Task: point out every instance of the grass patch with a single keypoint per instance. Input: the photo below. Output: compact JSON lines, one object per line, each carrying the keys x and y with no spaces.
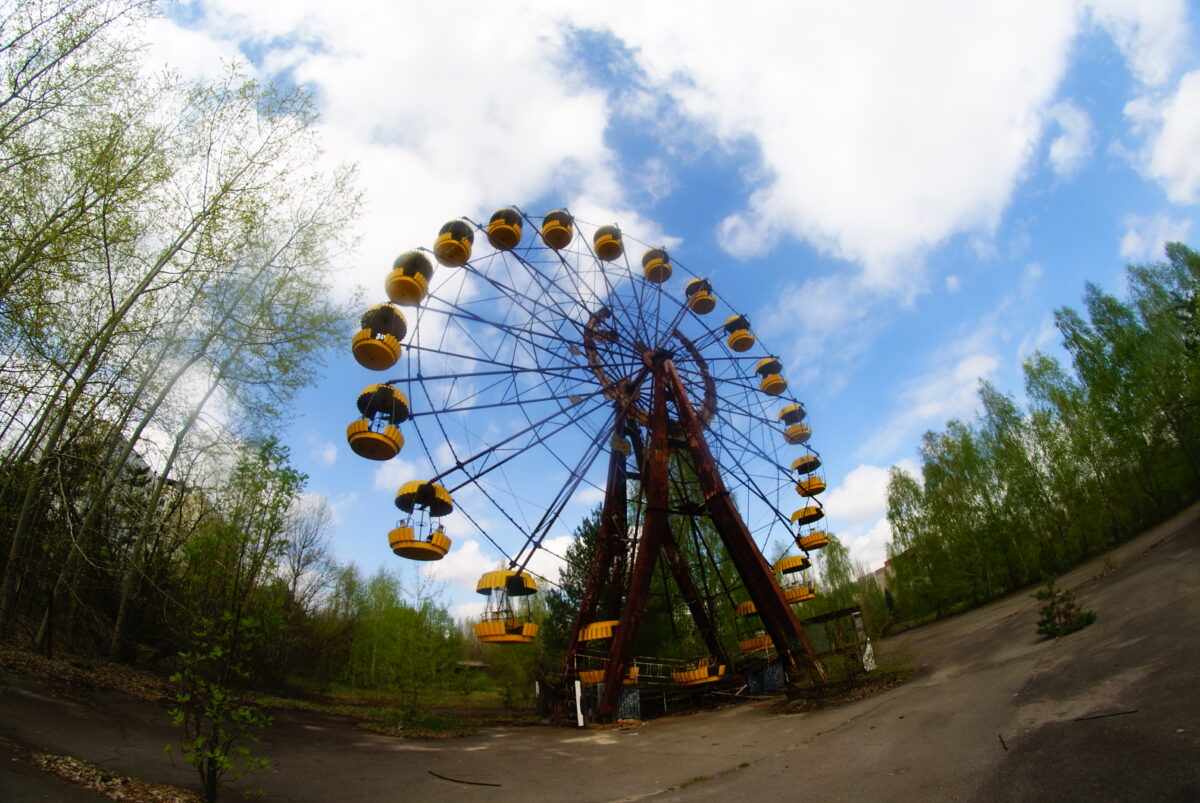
{"x":848,"y":682}
{"x":420,"y":725}
{"x":442,"y":713}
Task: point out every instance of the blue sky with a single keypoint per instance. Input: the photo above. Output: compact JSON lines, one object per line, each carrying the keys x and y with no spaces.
{"x":898,"y":195}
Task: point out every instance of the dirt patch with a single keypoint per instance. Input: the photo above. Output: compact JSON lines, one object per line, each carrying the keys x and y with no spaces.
{"x":113,"y":787}
{"x":836,"y":694}
{"x":86,"y":673}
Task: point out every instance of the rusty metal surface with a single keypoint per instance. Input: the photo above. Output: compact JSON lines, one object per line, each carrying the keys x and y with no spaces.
{"x":653,"y":532}
{"x":776,"y":614}
{"x":608,"y":542}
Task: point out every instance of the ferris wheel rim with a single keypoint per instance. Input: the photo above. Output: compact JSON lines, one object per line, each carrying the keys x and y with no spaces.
{"x":546,"y":350}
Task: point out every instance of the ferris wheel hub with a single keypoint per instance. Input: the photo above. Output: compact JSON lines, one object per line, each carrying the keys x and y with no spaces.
{"x":653,"y":358}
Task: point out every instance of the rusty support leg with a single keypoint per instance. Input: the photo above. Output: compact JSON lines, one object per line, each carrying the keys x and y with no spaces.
{"x":654,"y":530}
{"x":777,"y":616}
{"x":608,"y":542}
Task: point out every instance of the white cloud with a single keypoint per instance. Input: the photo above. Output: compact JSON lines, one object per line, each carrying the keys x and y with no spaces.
{"x":953,"y":284}
{"x":467,"y":611}
{"x":338,"y":506}
{"x":505,"y":119}
{"x":190,"y":53}
{"x":463,"y":565}
{"x":323,"y":451}
{"x":871,"y":148}
{"x":1153,"y":37}
{"x":393,"y":473}
{"x":857,"y":510}
{"x":823,"y":325}
{"x":1144,"y":236}
{"x":547,"y":562}
{"x":862,"y":495}
{"x":1174,"y":140}
{"x":948,"y":391}
{"x":1074,"y":143}
{"x":869,"y":547}
{"x":1030,"y":278}
{"x":1046,"y":334}
{"x":655,"y":179}
{"x":588,"y":496}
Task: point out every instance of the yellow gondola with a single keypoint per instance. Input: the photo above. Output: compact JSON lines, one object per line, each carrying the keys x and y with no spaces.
{"x":656,"y":266}
{"x":792,"y":414}
{"x":607,"y":243}
{"x":428,"y":495}
{"x":504,"y":229}
{"x":700,"y":298}
{"x":806,"y":464}
{"x":745,"y":609}
{"x":590,"y":677}
{"x":807,"y":515}
{"x":771,"y":382}
{"x":404,"y":542}
{"x":759,"y":643}
{"x":797,"y":434}
{"x":738,"y":328}
{"x":558,"y":229}
{"x":794,"y":432}
{"x":810,"y":486}
{"x":598,"y":630}
{"x":421,"y":540}
{"x":513,"y":583}
{"x":795,"y":563}
{"x":453,"y":245}
{"x":798,"y":594}
{"x":507,"y":631}
{"x":698,"y":673}
{"x":813,"y":540}
{"x":382,"y":443}
{"x":408,"y":283}
{"x":377,"y":344}
{"x":500,"y":623}
{"x":376,"y":436}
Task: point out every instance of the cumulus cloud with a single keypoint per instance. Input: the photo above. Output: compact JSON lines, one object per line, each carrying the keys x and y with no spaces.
{"x":548,"y":562}
{"x":339,"y":504}
{"x":1153,"y":37}
{"x":839,"y":316}
{"x":1174,"y":138}
{"x":953,"y":283}
{"x":879,"y":131}
{"x":1073,"y":145}
{"x":393,"y":473}
{"x":861,"y":496}
{"x":1144,"y":236}
{"x":871,"y":148}
{"x":948,"y":391}
{"x":189,"y":52}
{"x":463,"y":565}
{"x":857,"y":509}
{"x":588,"y":496}
{"x":869,"y":547}
{"x":324,"y":451}
{"x":434,"y":135}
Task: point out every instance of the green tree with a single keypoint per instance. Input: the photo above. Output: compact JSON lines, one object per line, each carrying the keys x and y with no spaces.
{"x":1107,"y":447}
{"x":225,"y":629}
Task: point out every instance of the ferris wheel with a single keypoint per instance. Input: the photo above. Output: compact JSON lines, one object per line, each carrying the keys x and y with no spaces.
{"x":549,"y":362}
